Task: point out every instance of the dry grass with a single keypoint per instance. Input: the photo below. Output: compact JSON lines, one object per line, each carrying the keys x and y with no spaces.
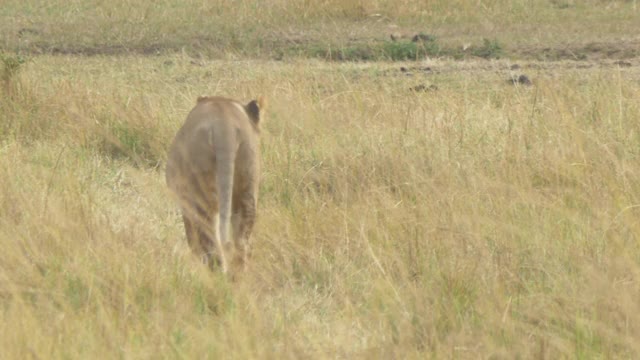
{"x":479,"y":220}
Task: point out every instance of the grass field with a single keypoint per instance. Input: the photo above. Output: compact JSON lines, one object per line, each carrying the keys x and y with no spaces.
{"x":438,"y":211}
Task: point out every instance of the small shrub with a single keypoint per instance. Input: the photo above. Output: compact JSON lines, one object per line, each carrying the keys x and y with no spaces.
{"x":10,"y":66}
{"x":357,"y":53}
{"x":490,"y":49}
{"x":401,"y":50}
{"x":420,"y":45}
{"x":23,"y":115}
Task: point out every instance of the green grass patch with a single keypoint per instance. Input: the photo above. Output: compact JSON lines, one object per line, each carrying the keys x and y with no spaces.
{"x":400,"y":50}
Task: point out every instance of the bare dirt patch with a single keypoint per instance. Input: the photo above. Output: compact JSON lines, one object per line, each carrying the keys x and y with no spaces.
{"x":589,"y":51}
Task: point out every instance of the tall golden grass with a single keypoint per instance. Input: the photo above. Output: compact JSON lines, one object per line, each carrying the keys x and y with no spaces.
{"x":479,"y":220}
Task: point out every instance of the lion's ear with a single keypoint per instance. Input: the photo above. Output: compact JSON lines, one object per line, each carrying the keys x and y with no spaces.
{"x":254,"y":107}
{"x":262,"y":102}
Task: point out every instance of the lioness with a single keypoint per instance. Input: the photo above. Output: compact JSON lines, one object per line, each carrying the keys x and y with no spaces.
{"x":213,"y":167}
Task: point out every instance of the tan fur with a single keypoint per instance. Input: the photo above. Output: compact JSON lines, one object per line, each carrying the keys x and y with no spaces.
{"x":213,"y":167}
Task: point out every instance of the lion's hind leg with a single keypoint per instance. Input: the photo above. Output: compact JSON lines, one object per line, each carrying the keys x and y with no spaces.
{"x":243,"y":220}
{"x":202,"y":228}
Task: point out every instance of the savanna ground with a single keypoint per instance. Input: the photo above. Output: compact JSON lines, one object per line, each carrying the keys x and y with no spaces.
{"x":466,"y":218}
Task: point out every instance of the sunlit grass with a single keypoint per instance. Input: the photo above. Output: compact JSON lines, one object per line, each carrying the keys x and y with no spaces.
{"x":479,"y":219}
